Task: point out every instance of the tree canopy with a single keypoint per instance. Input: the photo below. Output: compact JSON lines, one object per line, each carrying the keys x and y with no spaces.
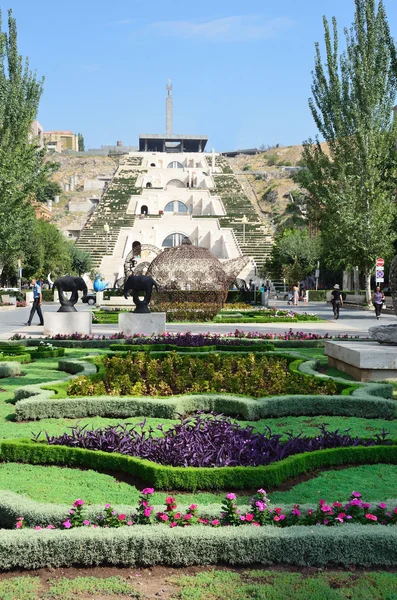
{"x":352,"y":179}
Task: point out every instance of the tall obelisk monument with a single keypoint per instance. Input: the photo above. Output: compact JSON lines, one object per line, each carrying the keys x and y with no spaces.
{"x":169,"y":109}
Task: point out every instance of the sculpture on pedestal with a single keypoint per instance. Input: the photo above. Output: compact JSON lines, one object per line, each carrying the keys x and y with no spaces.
{"x":69,"y":284}
{"x":136,"y":284}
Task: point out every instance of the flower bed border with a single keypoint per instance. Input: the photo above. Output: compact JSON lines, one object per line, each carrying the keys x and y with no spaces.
{"x":345,"y":545}
{"x":164,"y":477}
{"x":368,"y":400}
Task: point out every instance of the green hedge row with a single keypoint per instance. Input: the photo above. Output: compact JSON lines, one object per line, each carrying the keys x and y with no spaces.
{"x":35,"y":354}
{"x":21,"y":358}
{"x":260,"y":319}
{"x":264,"y":347}
{"x":360,"y":545}
{"x":9,"y":369}
{"x":45,"y":406}
{"x":164,"y":477}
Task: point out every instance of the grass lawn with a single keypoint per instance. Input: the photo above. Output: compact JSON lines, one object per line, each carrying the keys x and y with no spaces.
{"x":206,"y":585}
{"x":268,"y":585}
{"x":62,"y":485}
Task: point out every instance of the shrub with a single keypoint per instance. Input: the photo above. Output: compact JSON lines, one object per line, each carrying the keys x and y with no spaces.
{"x":48,"y":295}
{"x":301,"y":546}
{"x":317,"y":295}
{"x":196,"y":478}
{"x":141,"y":374}
{"x":188,"y":311}
{"x":200,"y":296}
{"x":9,"y":369}
{"x":21,"y":358}
{"x":204,"y":441}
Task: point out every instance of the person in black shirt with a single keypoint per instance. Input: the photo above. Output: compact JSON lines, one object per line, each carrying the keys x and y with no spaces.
{"x":336,"y":300}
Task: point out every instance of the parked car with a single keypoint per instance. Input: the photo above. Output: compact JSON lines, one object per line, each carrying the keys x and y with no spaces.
{"x":89,"y":299}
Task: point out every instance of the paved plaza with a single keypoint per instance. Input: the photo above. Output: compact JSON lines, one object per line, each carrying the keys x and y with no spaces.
{"x":353,"y":321}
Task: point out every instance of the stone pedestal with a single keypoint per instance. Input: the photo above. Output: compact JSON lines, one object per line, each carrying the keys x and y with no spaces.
{"x":29,"y":297}
{"x":146,"y":324}
{"x":365,"y":361}
{"x":66,"y":323}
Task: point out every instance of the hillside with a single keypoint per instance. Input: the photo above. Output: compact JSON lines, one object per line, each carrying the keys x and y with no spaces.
{"x":83,"y":170}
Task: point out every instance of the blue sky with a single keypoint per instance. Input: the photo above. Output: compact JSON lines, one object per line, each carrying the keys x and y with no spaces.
{"x":241,"y":71}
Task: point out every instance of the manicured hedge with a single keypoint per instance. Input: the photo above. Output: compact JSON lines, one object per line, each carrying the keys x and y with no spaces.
{"x":317,"y":295}
{"x":36,"y":354}
{"x":20,"y":358}
{"x":164,"y":477}
{"x":261,"y":319}
{"x":9,"y":369}
{"x":263,"y":347}
{"x":360,"y":545}
{"x":45,"y":406}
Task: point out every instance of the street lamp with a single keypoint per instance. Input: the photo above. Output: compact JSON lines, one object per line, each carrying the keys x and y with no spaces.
{"x":244,"y":221}
{"x":106,"y":229}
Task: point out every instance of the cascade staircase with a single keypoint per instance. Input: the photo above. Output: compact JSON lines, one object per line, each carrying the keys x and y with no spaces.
{"x":257,"y":241}
{"x":112,"y":209}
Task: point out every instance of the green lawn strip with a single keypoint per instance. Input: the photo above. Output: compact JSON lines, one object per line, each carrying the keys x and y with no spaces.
{"x":31,"y":588}
{"x":63,"y":485}
{"x":20,"y":588}
{"x":283,"y":585}
{"x":82,"y":587}
{"x":375,"y":482}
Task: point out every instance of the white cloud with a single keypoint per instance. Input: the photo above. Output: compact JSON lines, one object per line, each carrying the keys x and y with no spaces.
{"x":229,"y":29}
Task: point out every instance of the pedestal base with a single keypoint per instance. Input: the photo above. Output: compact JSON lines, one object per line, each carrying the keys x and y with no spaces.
{"x":66,"y":323}
{"x":365,"y":361}
{"x":145,"y":324}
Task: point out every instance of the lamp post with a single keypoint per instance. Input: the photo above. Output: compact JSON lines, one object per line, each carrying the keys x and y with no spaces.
{"x":244,"y":221}
{"x":106,"y":229}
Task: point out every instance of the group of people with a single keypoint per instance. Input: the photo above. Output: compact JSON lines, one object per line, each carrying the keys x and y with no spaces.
{"x":337,"y":300}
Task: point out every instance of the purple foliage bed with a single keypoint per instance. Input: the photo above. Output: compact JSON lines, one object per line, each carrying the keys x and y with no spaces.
{"x":205,"y":441}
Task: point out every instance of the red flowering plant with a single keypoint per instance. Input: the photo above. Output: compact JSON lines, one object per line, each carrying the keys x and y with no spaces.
{"x":110,"y":518}
{"x":260,"y":514}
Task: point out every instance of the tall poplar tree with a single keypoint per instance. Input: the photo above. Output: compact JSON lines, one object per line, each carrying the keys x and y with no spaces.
{"x":352,"y":180}
{"x":22,"y":167}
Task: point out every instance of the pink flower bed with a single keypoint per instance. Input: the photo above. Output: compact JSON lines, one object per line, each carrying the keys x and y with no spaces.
{"x":260,"y":513}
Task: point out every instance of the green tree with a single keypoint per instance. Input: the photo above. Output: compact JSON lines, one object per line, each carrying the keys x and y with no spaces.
{"x":22,"y":167}
{"x":48,"y":191}
{"x":49,"y":252}
{"x":81,"y":260}
{"x":80,"y":141}
{"x":352,"y":182}
{"x":294,"y":254}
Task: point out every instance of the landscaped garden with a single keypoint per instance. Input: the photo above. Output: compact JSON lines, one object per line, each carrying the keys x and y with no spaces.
{"x":228,"y":449}
{"x":185,"y":312}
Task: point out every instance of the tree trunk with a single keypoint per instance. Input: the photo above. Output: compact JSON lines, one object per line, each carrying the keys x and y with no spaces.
{"x":368,"y":298}
{"x":356,"y":275}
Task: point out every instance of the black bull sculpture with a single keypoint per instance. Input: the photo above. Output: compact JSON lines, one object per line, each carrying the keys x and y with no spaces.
{"x":69,"y":284}
{"x":136,"y":284}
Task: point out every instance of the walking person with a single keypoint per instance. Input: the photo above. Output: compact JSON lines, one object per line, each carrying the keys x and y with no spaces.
{"x":378,"y":300}
{"x":336,"y":300}
{"x":295,"y":294}
{"x":37,"y":300}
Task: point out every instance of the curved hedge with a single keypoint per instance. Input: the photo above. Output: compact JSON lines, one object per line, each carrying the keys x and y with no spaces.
{"x":366,"y":401}
{"x":39,"y":403}
{"x":361,"y":545}
{"x":163,"y":477}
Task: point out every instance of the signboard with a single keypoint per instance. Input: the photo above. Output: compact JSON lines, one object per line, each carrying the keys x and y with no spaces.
{"x":380,"y":275}
{"x":380,"y":262}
